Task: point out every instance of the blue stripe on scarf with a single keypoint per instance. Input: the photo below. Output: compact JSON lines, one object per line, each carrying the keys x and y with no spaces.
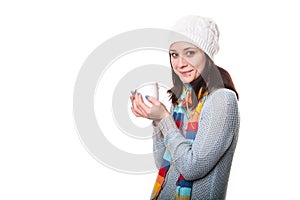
{"x":183,"y":191}
{"x":167,"y":156}
{"x":185,"y":183}
{"x":178,"y":116}
{"x":165,"y":164}
{"x":191,"y":135}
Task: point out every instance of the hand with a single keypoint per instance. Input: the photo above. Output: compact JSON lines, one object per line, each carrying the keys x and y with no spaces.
{"x":156,"y":112}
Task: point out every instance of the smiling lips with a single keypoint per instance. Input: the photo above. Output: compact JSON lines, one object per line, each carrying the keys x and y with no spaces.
{"x":186,"y":73}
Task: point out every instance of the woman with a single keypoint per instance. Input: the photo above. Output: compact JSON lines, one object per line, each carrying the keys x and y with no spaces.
{"x":194,"y":143}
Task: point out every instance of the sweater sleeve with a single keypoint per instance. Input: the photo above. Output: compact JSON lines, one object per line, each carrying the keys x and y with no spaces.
{"x":218,"y":122}
{"x":158,"y":145}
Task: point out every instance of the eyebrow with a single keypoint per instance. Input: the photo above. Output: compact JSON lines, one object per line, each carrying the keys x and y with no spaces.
{"x":184,"y":49}
{"x":189,"y":48}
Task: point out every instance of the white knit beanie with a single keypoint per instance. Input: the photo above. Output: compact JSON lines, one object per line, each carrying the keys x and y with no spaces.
{"x":200,"y":31}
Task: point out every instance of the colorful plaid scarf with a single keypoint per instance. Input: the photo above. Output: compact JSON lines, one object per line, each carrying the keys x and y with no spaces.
{"x":183,"y":187}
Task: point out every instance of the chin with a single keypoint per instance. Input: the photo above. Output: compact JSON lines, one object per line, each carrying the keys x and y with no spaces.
{"x":186,"y":80}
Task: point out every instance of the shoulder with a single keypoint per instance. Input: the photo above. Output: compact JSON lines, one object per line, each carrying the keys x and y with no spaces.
{"x":221,"y":100}
{"x":221,"y":96}
{"x":220,"y":105}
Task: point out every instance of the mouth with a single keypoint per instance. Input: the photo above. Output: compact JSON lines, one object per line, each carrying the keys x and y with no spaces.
{"x":187,"y":73}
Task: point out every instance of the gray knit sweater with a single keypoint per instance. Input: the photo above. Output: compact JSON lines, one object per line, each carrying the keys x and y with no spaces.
{"x":208,"y":160}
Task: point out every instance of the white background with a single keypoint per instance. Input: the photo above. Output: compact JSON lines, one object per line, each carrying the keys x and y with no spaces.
{"x":43,"y":45}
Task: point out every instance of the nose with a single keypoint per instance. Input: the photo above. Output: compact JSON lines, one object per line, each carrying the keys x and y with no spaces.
{"x":182,"y":62}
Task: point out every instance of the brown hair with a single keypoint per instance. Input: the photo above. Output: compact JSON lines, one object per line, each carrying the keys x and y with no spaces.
{"x":212,"y":77}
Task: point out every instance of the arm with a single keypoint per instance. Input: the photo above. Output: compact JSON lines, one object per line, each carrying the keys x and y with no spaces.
{"x":218,"y":123}
{"x":158,"y":143}
{"x":158,"y":146}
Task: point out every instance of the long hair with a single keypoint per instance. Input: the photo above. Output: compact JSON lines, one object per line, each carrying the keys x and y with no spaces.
{"x":212,"y":77}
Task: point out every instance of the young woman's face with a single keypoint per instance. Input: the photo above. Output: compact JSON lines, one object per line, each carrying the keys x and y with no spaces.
{"x":187,"y":60}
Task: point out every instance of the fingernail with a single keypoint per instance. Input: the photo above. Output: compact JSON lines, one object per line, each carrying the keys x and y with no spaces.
{"x":147,"y":96}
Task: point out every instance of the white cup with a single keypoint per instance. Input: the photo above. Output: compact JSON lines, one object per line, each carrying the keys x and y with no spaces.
{"x":155,"y":90}
{"x":149,"y":89}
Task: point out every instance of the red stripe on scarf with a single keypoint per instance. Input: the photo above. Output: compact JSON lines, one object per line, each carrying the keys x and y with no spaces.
{"x":162,"y":171}
{"x":192,"y":126}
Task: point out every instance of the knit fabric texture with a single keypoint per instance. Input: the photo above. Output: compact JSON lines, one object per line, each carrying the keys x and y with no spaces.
{"x":201,"y":31}
{"x":183,"y":187}
{"x":207,"y":161}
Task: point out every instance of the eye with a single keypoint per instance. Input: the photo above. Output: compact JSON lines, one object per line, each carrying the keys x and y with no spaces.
{"x":173,"y":54}
{"x":190,"y":53}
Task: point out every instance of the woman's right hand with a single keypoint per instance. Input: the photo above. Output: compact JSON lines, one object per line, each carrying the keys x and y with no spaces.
{"x":156,"y":112}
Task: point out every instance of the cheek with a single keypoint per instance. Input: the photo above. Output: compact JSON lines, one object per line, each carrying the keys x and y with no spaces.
{"x":199,"y":65}
{"x":176,"y":72}
{"x":173,"y":63}
{"x":194,"y":61}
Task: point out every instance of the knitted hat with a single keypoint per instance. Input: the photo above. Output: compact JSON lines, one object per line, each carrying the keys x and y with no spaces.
{"x":200,"y":31}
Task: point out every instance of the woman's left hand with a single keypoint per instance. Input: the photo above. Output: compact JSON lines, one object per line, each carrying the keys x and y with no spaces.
{"x":156,"y":112}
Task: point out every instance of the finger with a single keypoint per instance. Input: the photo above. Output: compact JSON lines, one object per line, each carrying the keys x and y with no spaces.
{"x":137,"y":110}
{"x":132,"y":97}
{"x":136,"y":97}
{"x":142,"y":103}
{"x":142,"y":106}
{"x":153,"y":100}
{"x":135,"y":113}
{"x":133,"y":93}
